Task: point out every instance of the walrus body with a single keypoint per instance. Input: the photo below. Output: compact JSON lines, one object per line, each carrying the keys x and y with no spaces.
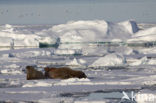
{"x":34,"y":74}
{"x":63,"y":73}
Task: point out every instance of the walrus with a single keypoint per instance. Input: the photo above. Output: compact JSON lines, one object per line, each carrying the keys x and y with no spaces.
{"x":63,"y":73}
{"x":34,"y":74}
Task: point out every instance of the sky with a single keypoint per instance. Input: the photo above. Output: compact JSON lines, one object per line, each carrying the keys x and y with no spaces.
{"x":62,"y":11}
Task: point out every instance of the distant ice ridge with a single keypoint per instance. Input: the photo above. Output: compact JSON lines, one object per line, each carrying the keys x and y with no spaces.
{"x":146,"y":35}
{"x":9,"y":36}
{"x":95,"y":31}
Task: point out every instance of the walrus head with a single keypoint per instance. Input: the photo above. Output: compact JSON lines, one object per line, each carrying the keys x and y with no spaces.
{"x":82,"y":75}
{"x":46,"y":72}
{"x":46,"y":69}
{"x":32,"y":73}
{"x":29,"y":67}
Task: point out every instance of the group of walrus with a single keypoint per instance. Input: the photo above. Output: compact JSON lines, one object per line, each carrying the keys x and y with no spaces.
{"x":53,"y":73}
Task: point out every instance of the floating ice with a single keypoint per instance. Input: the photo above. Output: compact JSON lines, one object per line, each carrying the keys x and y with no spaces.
{"x":37,"y":84}
{"x":94,"y":31}
{"x":147,"y":35}
{"x":75,"y":81}
{"x":147,"y":50}
{"x":138,"y":62}
{"x":110,"y":60}
{"x":34,"y":53}
{"x":9,"y":35}
{"x":73,"y":62}
{"x":143,"y":61}
{"x":67,"y":52}
{"x":11,"y":71}
{"x":130,"y":26}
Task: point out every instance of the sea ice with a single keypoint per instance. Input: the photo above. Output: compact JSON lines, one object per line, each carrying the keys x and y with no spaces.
{"x":94,"y":31}
{"x":147,"y":35}
{"x":135,"y":65}
{"x":110,"y":60}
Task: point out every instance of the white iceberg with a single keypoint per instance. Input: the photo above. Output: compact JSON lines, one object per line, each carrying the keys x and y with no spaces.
{"x":9,"y":35}
{"x":147,"y":35}
{"x":110,"y":60}
{"x":94,"y":31}
{"x":143,"y":61}
{"x":80,"y":32}
{"x":71,"y":32}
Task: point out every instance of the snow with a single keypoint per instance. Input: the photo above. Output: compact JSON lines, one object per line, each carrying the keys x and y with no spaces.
{"x":147,"y":50}
{"x":37,"y":84}
{"x":66,"y":52}
{"x":74,"y":81}
{"x":147,"y":35}
{"x":143,"y":61}
{"x":94,"y":31}
{"x":111,"y":69}
{"x":21,"y":38}
{"x":110,"y":60}
{"x":10,"y":72}
{"x":139,"y":62}
{"x":130,"y":26}
{"x":73,"y":62}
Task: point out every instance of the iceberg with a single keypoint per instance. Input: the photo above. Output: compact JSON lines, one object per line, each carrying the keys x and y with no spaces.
{"x":94,"y":31}
{"x":10,"y":35}
{"x":110,"y":60}
{"x":147,"y":35}
{"x":77,"y":32}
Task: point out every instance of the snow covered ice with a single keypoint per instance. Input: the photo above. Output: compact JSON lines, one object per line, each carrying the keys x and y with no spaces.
{"x":116,"y":57}
{"x":79,"y":31}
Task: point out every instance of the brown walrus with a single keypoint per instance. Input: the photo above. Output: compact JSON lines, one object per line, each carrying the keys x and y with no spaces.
{"x":34,"y":74}
{"x":63,"y":73}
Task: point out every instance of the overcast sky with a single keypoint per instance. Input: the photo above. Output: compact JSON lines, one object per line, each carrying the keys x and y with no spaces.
{"x":61,"y":11}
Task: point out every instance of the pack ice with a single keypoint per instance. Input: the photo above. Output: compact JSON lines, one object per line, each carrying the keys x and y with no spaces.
{"x":75,"y":31}
{"x":110,"y":69}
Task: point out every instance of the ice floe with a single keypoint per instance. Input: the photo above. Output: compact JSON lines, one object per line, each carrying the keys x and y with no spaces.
{"x":37,"y":84}
{"x":147,"y":35}
{"x":110,"y":60}
{"x":94,"y":31}
{"x":76,"y":31}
